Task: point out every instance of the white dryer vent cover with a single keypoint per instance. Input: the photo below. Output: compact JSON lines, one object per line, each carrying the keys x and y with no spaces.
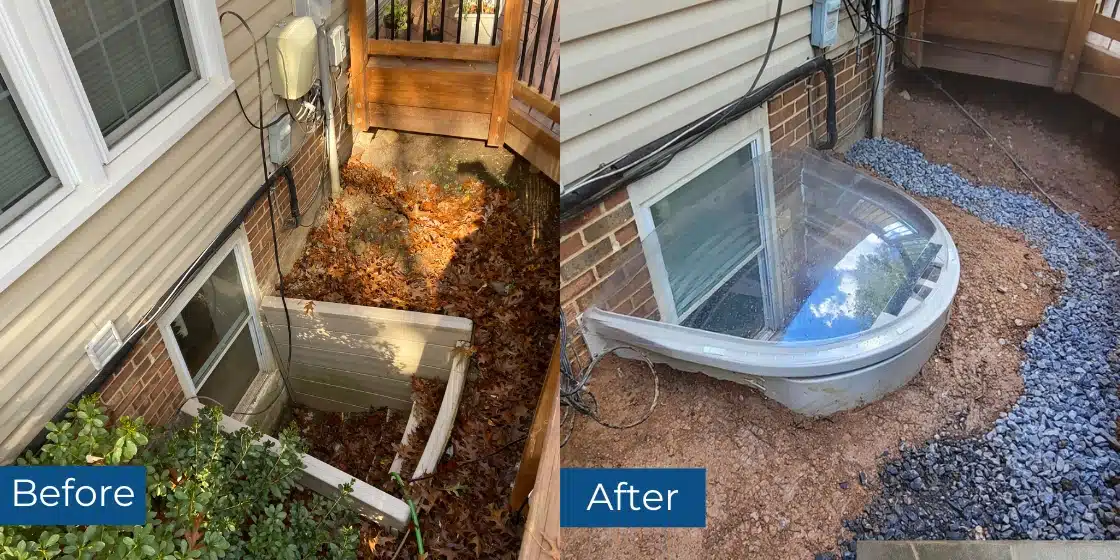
{"x":104,"y":345}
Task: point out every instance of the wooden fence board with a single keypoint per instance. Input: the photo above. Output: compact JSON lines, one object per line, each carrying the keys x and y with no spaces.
{"x":430,"y":88}
{"x":1002,"y":29}
{"x":1105,"y":26}
{"x":915,"y":29}
{"x":503,"y":82}
{"x":534,"y":99}
{"x":539,"y":433}
{"x":540,"y":538}
{"x":1038,"y":68}
{"x":459,"y":124}
{"x":358,"y":34}
{"x":539,"y":146}
{"x":1051,"y":11}
{"x":1101,"y":91}
{"x":427,"y":49}
{"x":1074,"y":45}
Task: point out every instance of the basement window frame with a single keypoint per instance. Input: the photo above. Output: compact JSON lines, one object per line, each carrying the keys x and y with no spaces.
{"x":91,"y":170}
{"x":751,"y":130}
{"x":238,"y":246}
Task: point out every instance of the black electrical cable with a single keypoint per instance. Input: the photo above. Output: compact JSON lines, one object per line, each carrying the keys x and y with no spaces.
{"x":590,"y":193}
{"x":271,"y":211}
{"x":257,"y":59}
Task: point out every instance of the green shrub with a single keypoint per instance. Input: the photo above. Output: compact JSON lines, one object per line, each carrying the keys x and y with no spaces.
{"x":210,"y":495}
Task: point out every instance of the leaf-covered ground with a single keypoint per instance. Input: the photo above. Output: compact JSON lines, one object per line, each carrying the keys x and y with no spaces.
{"x":466,"y":250}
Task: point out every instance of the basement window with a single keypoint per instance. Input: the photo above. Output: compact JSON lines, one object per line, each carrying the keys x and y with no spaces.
{"x":212,"y":331}
{"x":796,"y":274}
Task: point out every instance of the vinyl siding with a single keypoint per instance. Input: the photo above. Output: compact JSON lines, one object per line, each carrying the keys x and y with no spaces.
{"x":117,"y":264}
{"x":633,"y":71}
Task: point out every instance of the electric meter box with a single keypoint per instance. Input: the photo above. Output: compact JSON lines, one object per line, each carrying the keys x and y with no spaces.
{"x":824,"y":23}
{"x":291,"y":47}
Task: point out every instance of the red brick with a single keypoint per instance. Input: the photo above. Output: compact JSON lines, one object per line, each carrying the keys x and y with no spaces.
{"x":578,"y":222}
{"x":608,"y":223}
{"x":577,"y":286}
{"x":616,"y":198}
{"x":644,"y":293}
{"x":585,"y":259}
{"x":570,"y":246}
{"x":626,"y":233}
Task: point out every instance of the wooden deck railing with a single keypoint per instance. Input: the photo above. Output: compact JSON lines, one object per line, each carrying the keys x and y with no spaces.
{"x":412,"y":73}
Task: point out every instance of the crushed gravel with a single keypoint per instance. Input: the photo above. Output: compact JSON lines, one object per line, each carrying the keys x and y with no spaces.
{"x":1045,"y":471}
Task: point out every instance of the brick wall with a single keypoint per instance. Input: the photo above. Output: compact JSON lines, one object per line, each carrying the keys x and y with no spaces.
{"x":309,"y":165}
{"x":146,"y":385}
{"x":790,"y":120}
{"x":601,"y":262}
{"x":601,"y":259}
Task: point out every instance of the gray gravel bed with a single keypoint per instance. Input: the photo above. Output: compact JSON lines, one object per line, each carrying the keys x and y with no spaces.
{"x":1045,"y":471}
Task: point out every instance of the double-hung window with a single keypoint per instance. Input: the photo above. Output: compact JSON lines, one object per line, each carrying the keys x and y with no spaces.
{"x":92,"y":93}
{"x":132,"y":57}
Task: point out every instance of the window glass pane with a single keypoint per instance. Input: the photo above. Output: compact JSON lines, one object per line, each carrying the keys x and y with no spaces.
{"x":162,"y":33}
{"x":129,"y":54}
{"x":708,"y":227}
{"x":233,"y":374}
{"x":211,"y":319}
{"x":111,"y":13}
{"x":98,"y":83}
{"x":21,"y":169}
{"x":74,"y":19}
{"x":736,"y":308}
{"x":135,"y":79}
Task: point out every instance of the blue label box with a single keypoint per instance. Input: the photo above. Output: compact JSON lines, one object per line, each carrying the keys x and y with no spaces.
{"x":73,"y":495}
{"x":633,"y":497}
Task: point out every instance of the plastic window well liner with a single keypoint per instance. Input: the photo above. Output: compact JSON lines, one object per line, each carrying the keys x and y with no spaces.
{"x":802,"y":276}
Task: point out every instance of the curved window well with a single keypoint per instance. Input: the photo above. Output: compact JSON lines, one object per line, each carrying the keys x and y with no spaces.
{"x":804,"y":277}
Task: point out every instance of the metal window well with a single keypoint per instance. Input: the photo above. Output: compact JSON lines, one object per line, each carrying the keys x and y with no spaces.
{"x":818,"y":284}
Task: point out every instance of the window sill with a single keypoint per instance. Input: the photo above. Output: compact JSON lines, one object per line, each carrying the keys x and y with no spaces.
{"x":31,"y":237}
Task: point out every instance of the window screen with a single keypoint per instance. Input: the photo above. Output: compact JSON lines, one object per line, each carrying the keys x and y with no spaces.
{"x":24,"y":176}
{"x":708,"y":227}
{"x":132,"y":57}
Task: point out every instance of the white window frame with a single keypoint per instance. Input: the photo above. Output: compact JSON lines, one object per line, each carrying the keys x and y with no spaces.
{"x":41,"y":73}
{"x":238,"y":245}
{"x":751,"y":129}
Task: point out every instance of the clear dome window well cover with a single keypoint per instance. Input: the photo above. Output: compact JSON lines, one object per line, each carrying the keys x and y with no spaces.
{"x":805,"y":277}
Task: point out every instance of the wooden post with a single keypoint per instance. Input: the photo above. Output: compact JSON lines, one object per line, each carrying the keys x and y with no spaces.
{"x":915,"y":28}
{"x":507,"y":57}
{"x":547,"y":404}
{"x":1075,"y":43}
{"x":358,"y":59}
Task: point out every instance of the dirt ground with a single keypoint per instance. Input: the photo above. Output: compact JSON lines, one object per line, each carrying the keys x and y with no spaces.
{"x":779,"y":484}
{"x":1067,"y":144}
